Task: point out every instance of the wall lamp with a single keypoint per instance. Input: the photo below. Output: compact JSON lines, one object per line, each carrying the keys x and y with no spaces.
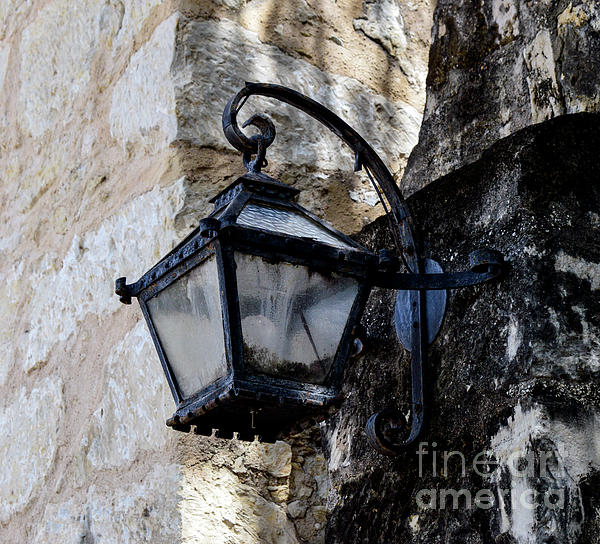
{"x":256,"y":312}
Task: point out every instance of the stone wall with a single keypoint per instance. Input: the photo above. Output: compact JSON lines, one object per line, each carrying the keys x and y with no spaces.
{"x":510,"y":453}
{"x":110,"y":148}
{"x":507,"y":158}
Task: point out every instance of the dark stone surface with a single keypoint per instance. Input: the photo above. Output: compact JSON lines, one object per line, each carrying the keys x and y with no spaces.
{"x":528,"y":343}
{"x":497,"y":66}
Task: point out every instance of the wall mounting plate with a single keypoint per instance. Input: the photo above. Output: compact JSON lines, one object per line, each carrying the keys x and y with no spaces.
{"x":435,"y":305}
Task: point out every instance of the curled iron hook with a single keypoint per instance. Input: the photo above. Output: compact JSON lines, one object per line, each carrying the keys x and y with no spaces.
{"x":262,"y":141}
{"x":364,"y":154}
{"x":256,"y":144}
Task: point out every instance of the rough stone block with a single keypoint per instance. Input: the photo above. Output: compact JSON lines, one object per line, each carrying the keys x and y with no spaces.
{"x":216,"y":507}
{"x":144,"y":511}
{"x":57,"y":51}
{"x":513,"y":374}
{"x":82,"y":282}
{"x":496,"y":67}
{"x":274,"y":459}
{"x":10,"y":283}
{"x":143,"y":100}
{"x":4,"y":54}
{"x":13,"y":14}
{"x":214,"y":59}
{"x":63,"y":522}
{"x":544,"y":457}
{"x":147,"y":511}
{"x":544,"y":94}
{"x":135,"y":404}
{"x":29,"y":427}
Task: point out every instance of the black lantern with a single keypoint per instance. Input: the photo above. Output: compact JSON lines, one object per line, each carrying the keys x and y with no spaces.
{"x":255,"y":313}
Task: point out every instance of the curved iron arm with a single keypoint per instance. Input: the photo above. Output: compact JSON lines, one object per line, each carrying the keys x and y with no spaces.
{"x":380,"y":176}
{"x":364,"y":155}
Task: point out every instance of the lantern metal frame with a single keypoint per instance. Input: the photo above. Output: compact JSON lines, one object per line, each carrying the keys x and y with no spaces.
{"x":219,"y":235}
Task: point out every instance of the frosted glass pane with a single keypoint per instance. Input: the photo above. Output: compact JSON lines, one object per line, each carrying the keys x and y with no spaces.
{"x":287,"y":222}
{"x":187,"y":318}
{"x":292,"y":318}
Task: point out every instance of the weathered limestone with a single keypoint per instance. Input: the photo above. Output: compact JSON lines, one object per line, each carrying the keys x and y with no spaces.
{"x":62,"y":522}
{"x":498,"y":66}
{"x":8,"y":308}
{"x":59,"y":50}
{"x":254,"y":492}
{"x":141,"y":512}
{"x":513,"y":377}
{"x":565,"y":453}
{"x":30,"y":426}
{"x":79,"y":284}
{"x":222,"y":510}
{"x":383,"y":23}
{"x":4,"y":53}
{"x":143,"y":101}
{"x":110,"y":148}
{"x":309,"y":486}
{"x":580,"y":267}
{"x":325,"y":34}
{"x":172,"y":86}
{"x":214,"y":60}
{"x":12,"y":15}
{"x":62,"y":39}
{"x":135,"y":390}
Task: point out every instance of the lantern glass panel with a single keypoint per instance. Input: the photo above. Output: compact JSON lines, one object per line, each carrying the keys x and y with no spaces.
{"x":188,"y":321}
{"x":292,"y":318}
{"x":287,"y":221}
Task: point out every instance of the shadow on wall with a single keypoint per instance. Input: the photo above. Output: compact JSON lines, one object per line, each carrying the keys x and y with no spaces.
{"x":291,"y":43}
{"x":296,"y":44}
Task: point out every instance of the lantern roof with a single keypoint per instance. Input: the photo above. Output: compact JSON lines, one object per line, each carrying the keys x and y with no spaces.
{"x":259,"y":210}
{"x":259,"y":202}
{"x":258,"y":183}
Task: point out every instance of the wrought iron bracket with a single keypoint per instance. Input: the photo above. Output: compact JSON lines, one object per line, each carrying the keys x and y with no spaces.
{"x":486,"y":265}
{"x":386,"y":430}
{"x":418,"y":316}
